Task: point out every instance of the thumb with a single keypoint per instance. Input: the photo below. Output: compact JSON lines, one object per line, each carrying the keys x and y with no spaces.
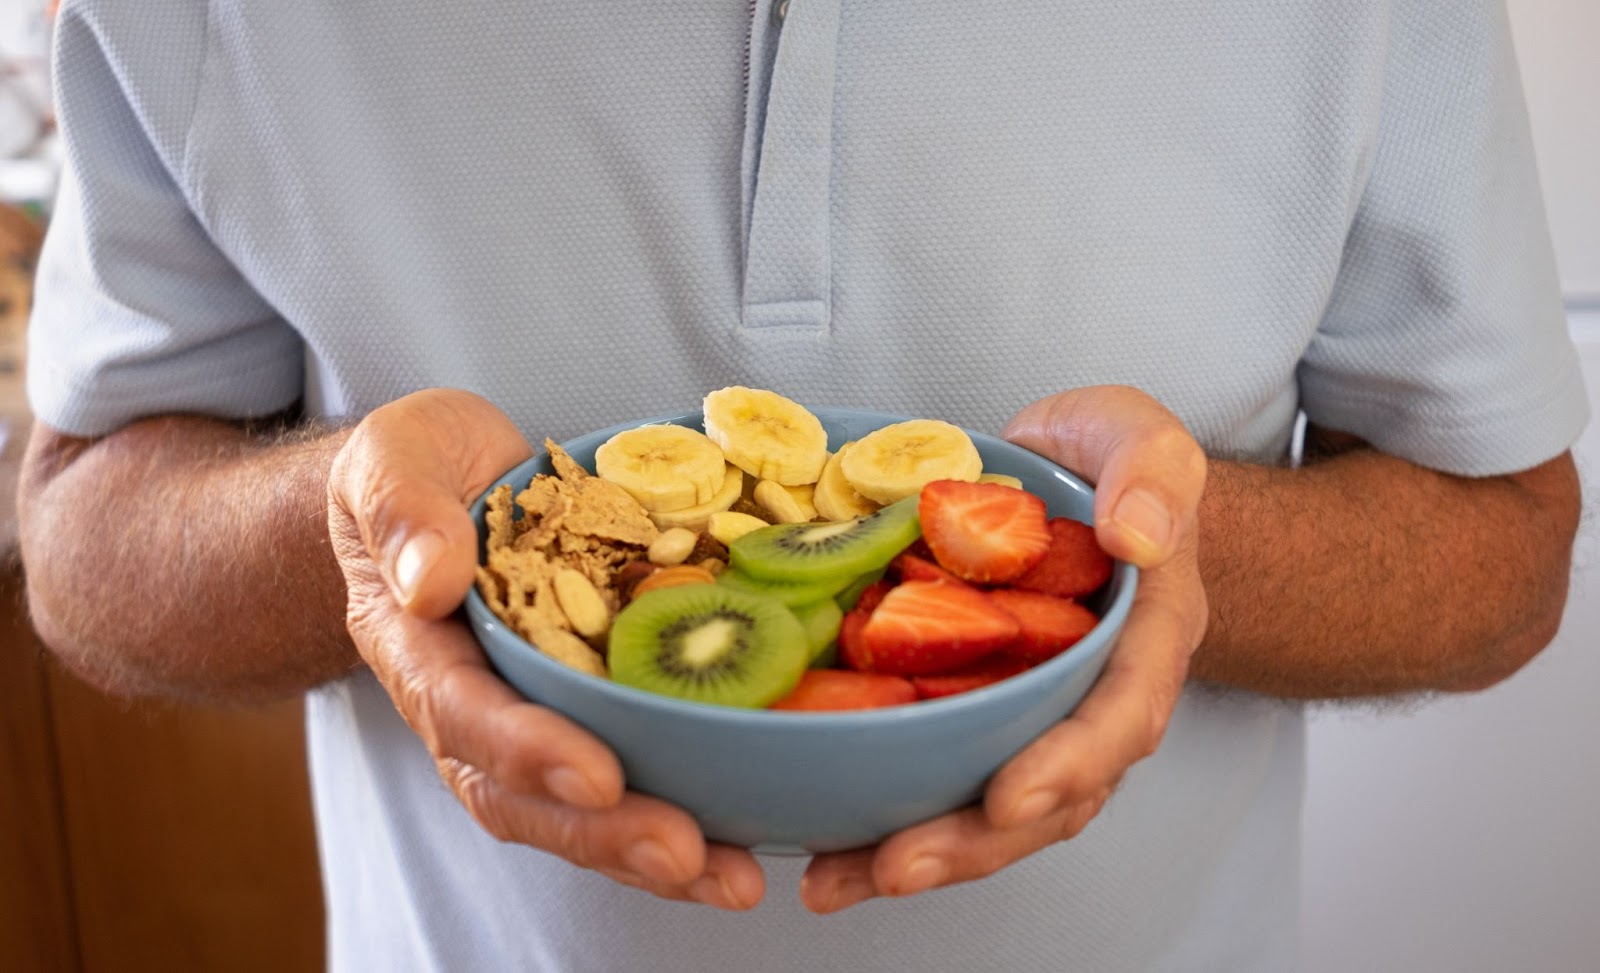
{"x":399,"y":489}
{"x":1147,"y":470}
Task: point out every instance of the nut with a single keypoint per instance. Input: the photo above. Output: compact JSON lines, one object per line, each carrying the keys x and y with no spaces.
{"x":580,"y":601}
{"x":729,"y":525}
{"x":672,"y":546}
{"x":678,"y":574}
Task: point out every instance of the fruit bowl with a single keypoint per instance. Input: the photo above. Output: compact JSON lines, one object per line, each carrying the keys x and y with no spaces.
{"x":806,"y":782}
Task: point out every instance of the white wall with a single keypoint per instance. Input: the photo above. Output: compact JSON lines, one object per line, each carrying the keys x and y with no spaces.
{"x":1463,"y":835}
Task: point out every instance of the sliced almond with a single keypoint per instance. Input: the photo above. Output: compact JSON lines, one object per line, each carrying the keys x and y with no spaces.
{"x":581,"y":602}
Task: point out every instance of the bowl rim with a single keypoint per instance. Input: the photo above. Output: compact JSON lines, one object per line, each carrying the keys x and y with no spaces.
{"x":1053,"y":671}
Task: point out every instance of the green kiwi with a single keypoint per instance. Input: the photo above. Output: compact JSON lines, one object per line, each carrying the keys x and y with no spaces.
{"x":710,"y":644}
{"x":840,"y":550}
{"x":851,"y":593}
{"x":821,"y":621}
{"x":790,"y":593}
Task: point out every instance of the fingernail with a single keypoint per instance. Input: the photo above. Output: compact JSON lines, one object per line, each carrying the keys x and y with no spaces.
{"x":848,"y":892}
{"x":571,"y":787}
{"x":1034,"y":805}
{"x":713,"y":890}
{"x":650,"y":858}
{"x":414,"y":561}
{"x":923,"y":873}
{"x":1141,"y":514}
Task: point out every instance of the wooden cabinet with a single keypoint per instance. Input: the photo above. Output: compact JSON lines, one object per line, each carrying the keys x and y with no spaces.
{"x":148,"y":836}
{"x":145,"y":835}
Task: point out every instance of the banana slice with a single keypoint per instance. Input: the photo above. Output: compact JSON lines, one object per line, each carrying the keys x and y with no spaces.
{"x":663,"y":467}
{"x":783,"y":506}
{"x":696,"y":517}
{"x":1005,"y":479}
{"x":768,"y":436}
{"x":834,"y":497}
{"x":895,"y":461}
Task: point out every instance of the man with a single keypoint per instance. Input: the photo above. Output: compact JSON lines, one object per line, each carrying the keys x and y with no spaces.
{"x":1137,"y":238}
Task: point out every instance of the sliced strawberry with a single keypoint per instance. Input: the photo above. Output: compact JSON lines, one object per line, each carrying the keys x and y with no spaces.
{"x":1074,"y":565}
{"x":852,"y":650}
{"x":1049,"y":625}
{"x":924,"y":627}
{"x":836,"y":689}
{"x":871,"y":595}
{"x":983,"y":532}
{"x":910,"y":567}
{"x":981,"y":673}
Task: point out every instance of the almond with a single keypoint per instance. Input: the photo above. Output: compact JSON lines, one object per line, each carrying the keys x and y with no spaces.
{"x":678,"y":574}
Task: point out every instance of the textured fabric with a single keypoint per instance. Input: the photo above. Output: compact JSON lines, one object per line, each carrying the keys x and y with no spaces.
{"x":595,"y":212}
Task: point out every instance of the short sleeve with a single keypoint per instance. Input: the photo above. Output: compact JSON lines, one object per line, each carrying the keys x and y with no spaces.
{"x":1445,"y":340}
{"x":136,"y":311}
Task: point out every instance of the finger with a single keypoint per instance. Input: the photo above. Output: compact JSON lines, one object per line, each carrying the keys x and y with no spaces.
{"x":732,"y":880}
{"x":1147,"y":470}
{"x":1125,"y":715}
{"x":954,"y":848}
{"x":404,"y":479}
{"x":639,"y":835}
{"x":442,"y":685}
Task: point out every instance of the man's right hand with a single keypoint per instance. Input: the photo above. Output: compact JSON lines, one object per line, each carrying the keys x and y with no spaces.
{"x":397,"y":515}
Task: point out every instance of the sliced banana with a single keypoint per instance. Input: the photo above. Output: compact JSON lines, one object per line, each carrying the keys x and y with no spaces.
{"x":663,"y":467}
{"x":896,"y":460}
{"x":729,"y":526}
{"x":766,"y":435}
{"x":1004,"y":479}
{"x":834,"y":497}
{"x":695,"y":517}
{"x":781,"y":505}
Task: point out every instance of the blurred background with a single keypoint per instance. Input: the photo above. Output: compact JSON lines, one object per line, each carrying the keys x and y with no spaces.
{"x":1448,"y":835}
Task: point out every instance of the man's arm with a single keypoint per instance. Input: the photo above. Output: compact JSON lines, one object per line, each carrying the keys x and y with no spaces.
{"x":1361,"y":574}
{"x":185,"y":556}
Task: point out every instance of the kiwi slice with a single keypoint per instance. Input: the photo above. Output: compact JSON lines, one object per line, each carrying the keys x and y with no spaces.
{"x":821,"y":621}
{"x":836,"y":551}
{"x":710,"y":644}
{"x":793,"y":594}
{"x":851,"y":593}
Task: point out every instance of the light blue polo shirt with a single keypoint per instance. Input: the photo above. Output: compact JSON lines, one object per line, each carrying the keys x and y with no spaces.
{"x":590,"y":212}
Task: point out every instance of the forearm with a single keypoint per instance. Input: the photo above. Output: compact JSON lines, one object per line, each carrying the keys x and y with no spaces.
{"x":1362,"y":574}
{"x":184,"y":556}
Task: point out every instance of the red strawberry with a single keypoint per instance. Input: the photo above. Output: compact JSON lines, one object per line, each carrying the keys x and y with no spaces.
{"x":924,"y":627}
{"x":910,"y":567}
{"x":981,"y":673}
{"x":852,"y":651}
{"x":1074,"y":565}
{"x":871,"y":595}
{"x":1049,"y":625}
{"x":983,"y":532}
{"x":836,"y":689}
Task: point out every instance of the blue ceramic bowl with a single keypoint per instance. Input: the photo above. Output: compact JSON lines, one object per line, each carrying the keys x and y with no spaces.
{"x":800,"y":783}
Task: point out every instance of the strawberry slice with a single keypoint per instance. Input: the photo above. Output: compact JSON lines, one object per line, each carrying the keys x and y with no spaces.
{"x":871,"y":595}
{"x":1074,"y":565}
{"x":910,"y":567}
{"x":926,"y":627}
{"x":837,"y":689}
{"x":1049,"y":625}
{"x":852,"y":650}
{"x":981,"y":673}
{"x":983,"y":532}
